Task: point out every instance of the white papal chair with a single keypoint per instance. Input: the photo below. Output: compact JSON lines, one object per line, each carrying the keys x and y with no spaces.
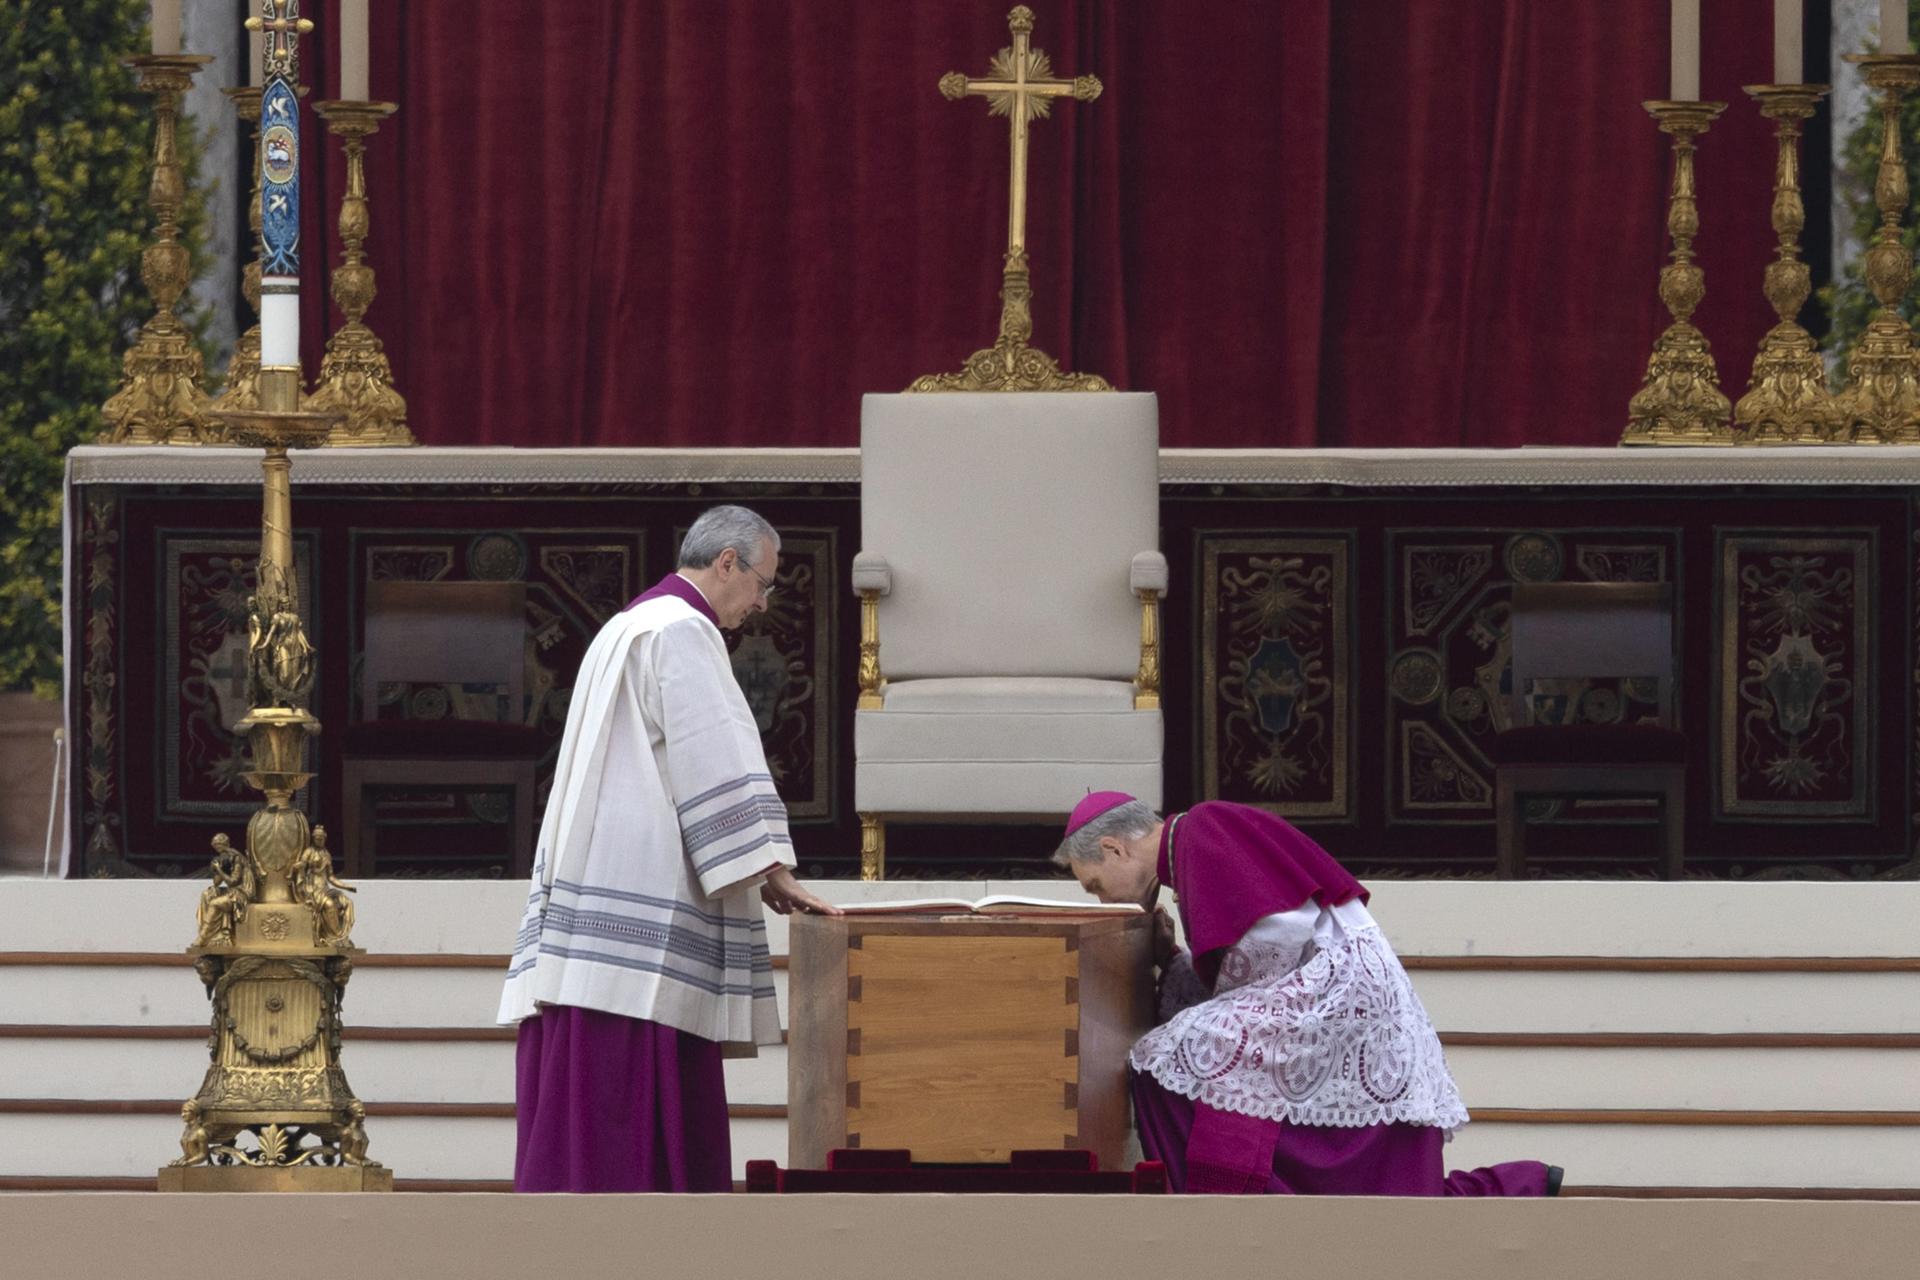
{"x":1010,"y":583}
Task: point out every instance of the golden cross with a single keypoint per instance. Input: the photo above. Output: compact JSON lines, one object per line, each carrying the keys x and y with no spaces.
{"x":1021,"y":86}
{"x":283,"y":25}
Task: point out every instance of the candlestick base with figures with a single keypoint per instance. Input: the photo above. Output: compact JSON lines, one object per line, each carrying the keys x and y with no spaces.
{"x":161,"y":400}
{"x":274,"y":944}
{"x":1680,"y":402}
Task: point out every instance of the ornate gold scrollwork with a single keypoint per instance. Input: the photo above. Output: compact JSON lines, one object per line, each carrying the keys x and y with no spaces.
{"x":873,"y":847}
{"x":870,"y":678}
{"x":1146,"y":683}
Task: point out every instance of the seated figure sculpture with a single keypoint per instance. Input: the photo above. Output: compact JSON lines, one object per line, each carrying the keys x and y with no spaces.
{"x":315,"y":885}
{"x":224,"y":902}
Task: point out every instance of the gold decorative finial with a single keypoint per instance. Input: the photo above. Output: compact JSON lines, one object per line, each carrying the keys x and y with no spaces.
{"x":1020,"y":85}
{"x":280,"y":22}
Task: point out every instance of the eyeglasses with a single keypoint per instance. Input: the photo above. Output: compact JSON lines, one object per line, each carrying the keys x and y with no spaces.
{"x":766,"y":584}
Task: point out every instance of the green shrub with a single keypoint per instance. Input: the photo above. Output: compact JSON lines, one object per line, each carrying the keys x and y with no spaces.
{"x":76,"y":137}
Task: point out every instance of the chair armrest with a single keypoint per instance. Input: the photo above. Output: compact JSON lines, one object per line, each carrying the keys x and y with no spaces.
{"x":1149,"y":573}
{"x":871,"y":572}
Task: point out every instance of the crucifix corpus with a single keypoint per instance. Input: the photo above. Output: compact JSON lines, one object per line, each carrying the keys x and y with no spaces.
{"x":1020,"y":85}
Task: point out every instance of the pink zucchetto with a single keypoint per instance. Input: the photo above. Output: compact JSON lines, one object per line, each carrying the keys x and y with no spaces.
{"x":1096,"y":803}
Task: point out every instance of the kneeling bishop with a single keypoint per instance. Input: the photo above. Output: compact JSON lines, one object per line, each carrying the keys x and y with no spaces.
{"x":1292,"y":1056}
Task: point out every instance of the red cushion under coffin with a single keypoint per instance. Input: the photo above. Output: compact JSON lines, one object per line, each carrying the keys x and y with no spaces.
{"x":1590,"y":744}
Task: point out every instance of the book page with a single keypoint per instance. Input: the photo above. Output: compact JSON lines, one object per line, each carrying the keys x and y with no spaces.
{"x":1000,"y":903}
{"x":1014,"y":902}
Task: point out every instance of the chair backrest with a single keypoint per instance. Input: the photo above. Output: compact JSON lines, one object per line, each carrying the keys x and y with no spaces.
{"x":1571,"y":630}
{"x":445,"y":633}
{"x":1010,"y":522}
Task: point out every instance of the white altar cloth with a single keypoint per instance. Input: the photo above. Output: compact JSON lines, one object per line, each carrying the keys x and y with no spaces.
{"x":1826,"y":465}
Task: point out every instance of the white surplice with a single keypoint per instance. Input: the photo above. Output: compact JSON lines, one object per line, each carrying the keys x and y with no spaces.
{"x":662,"y":820}
{"x":1311,"y":1021}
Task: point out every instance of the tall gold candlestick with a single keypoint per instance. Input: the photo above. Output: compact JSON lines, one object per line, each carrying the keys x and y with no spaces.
{"x":275,"y":947}
{"x":356,"y":381}
{"x":160,"y":400}
{"x":1880,"y":403}
{"x":1681,"y":402}
{"x":1787,"y":401}
{"x":243,"y":369}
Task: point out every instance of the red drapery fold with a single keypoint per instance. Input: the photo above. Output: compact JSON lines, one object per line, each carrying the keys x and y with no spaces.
{"x":675,"y":222}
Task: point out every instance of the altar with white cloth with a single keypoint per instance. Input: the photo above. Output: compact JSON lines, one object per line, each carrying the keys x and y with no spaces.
{"x":1371,"y":585}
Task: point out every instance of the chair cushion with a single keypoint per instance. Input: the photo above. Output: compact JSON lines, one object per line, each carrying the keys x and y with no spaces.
{"x":981,"y":695}
{"x":444,"y":740}
{"x":1590,"y":744}
{"x":1008,"y":789}
{"x":1006,"y":762}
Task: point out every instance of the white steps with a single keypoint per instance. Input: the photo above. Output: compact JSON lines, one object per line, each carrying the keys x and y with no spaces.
{"x":1581,"y":1020}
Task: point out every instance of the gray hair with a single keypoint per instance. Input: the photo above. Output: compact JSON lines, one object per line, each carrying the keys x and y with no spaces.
{"x":719,"y":528}
{"x":1127,"y":821}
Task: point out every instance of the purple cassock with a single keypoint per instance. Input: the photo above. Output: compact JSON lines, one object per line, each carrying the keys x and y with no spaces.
{"x":610,"y":1104}
{"x":1232,"y":867}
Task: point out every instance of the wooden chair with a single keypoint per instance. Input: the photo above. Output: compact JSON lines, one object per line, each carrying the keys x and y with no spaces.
{"x":1574,"y":630}
{"x":441,"y":633}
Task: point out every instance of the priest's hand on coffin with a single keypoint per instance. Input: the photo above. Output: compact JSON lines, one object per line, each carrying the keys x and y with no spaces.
{"x":783,"y":894}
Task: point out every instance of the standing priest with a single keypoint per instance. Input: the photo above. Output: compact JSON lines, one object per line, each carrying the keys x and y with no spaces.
{"x":1293,"y":1056}
{"x":642,"y":956}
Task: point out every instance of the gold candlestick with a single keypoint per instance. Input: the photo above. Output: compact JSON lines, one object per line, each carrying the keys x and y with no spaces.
{"x":1681,"y":402}
{"x":275,"y":945}
{"x":243,"y":369}
{"x":160,"y":400}
{"x":356,"y":381}
{"x":1787,"y":401}
{"x":1880,"y":403}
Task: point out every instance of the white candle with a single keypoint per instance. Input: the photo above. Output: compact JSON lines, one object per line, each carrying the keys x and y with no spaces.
{"x":1893,"y":27}
{"x":1786,"y":42}
{"x":256,"y":58}
{"x":166,"y":26}
{"x":353,"y":50}
{"x":280,"y":324}
{"x":1686,"y":51}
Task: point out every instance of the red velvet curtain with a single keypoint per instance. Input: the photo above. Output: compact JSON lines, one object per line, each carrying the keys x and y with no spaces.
{"x":682,"y":222}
